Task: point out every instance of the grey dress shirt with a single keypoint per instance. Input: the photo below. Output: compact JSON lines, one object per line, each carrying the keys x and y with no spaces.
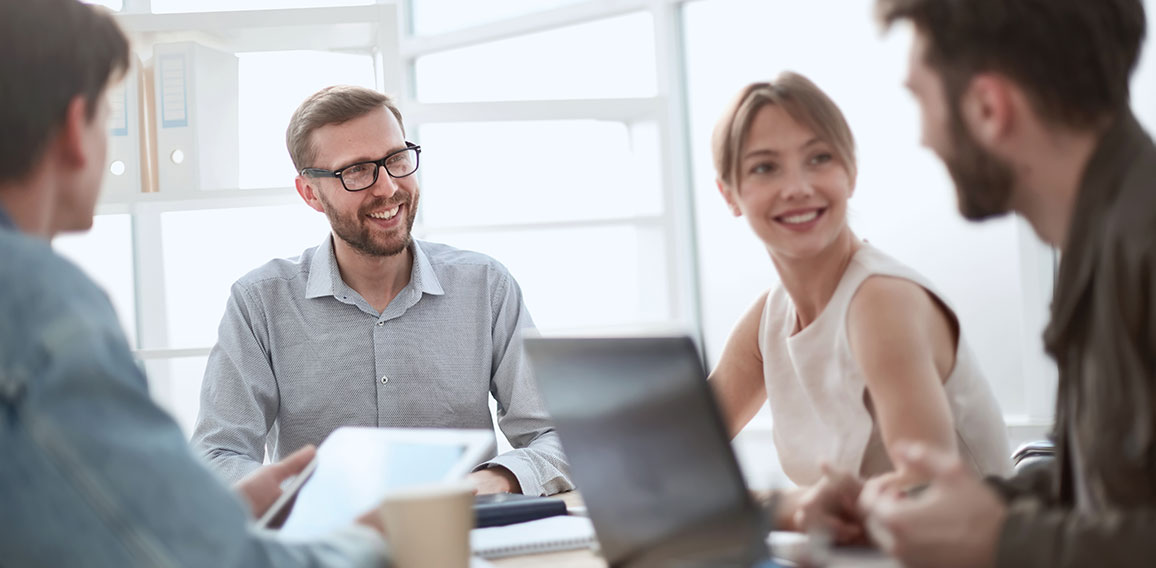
{"x":300,"y":353}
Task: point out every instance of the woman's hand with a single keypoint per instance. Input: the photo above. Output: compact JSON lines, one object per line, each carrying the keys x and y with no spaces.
{"x":832,"y":506}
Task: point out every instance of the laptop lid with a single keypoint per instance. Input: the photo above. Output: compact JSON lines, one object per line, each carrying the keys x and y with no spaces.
{"x":649,"y":451}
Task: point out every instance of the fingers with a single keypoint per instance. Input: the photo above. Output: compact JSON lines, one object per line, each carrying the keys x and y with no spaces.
{"x":875,"y":488}
{"x":295,"y":462}
{"x":831,"y":507}
{"x":815,"y":520}
{"x":926,"y":462}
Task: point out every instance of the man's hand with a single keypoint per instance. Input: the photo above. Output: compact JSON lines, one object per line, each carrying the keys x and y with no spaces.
{"x":262,"y":486}
{"x":495,"y":479}
{"x":831,"y":505}
{"x":373,"y":519}
{"x":954,"y":523}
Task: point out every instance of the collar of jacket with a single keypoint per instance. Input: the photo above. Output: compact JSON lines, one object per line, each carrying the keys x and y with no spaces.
{"x":1101,"y":183}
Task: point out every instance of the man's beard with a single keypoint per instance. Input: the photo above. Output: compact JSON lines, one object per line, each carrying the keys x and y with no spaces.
{"x":359,"y":235}
{"x":983,"y":183}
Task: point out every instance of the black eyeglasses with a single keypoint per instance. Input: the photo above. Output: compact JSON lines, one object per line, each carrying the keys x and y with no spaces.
{"x":359,"y":176}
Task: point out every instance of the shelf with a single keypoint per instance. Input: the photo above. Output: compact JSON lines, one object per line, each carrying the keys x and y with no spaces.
{"x":112,"y":203}
{"x":339,"y":28}
{"x":623,"y":110}
{"x":652,"y":221}
{"x":534,"y":22}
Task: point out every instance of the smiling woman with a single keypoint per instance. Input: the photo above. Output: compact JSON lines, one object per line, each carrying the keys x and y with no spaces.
{"x":855,"y":352}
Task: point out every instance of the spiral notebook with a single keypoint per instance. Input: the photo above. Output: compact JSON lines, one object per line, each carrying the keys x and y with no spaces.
{"x":544,"y":535}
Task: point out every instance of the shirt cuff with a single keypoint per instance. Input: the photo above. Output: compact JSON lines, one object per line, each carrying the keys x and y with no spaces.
{"x":527,"y":478}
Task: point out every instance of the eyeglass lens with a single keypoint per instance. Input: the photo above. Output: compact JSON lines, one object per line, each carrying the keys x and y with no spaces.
{"x":362,"y":175}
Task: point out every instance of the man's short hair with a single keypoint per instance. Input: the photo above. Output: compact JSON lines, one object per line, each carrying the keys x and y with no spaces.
{"x":332,"y":105}
{"x":804,"y":101}
{"x":51,"y":51}
{"x":1072,"y":57}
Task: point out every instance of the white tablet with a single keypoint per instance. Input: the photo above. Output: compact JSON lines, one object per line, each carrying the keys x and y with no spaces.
{"x":356,"y":468}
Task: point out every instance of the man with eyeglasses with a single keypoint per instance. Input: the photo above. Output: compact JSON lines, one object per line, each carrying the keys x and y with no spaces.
{"x":372,"y":327}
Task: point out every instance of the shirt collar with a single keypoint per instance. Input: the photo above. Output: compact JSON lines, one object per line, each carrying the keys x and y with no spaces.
{"x":423,"y":277}
{"x":325,"y":278}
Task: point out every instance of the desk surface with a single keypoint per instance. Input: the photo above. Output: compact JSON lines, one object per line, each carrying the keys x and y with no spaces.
{"x":589,"y":559}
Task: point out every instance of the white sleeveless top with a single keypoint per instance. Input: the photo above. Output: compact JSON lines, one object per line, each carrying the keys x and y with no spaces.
{"x":817,"y":392}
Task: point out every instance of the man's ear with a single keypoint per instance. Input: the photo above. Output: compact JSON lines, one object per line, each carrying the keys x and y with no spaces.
{"x":71,"y":141}
{"x":308,"y":191}
{"x":988,"y":108}
{"x":728,"y":196}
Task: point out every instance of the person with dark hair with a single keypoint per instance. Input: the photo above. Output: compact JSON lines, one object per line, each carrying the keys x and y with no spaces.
{"x":854,"y":350}
{"x":372,"y":327}
{"x":92,"y":472}
{"x":1027,"y":104}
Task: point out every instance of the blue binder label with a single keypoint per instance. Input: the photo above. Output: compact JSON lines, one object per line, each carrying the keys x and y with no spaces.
{"x":173,"y":71}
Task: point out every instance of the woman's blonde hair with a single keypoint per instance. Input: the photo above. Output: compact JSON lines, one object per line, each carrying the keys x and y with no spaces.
{"x":802,"y":100}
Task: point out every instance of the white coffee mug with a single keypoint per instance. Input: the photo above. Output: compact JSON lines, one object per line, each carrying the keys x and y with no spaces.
{"x":429,"y":526}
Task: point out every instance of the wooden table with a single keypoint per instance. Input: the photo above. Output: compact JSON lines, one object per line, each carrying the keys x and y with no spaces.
{"x":589,"y":559}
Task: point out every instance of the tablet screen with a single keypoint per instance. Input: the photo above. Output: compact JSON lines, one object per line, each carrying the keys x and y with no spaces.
{"x":356,"y":468}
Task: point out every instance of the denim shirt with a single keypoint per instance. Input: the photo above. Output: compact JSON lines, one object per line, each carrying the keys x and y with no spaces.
{"x":92,"y":472}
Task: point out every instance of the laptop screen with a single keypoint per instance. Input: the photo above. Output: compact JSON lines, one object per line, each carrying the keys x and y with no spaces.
{"x":648,"y":449}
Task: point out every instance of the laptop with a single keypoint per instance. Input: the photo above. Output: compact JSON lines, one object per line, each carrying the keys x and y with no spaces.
{"x":649,"y":452}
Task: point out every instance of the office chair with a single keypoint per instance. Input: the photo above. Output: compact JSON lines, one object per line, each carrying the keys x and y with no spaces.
{"x":1031,"y":455}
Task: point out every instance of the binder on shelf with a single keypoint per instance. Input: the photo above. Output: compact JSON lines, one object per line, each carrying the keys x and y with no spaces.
{"x":122,"y":163}
{"x":196,"y":91}
{"x":147,"y":130}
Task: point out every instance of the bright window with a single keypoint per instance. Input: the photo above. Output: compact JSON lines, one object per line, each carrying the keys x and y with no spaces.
{"x":176,"y":386}
{"x":440,"y":16}
{"x":603,"y":277}
{"x":114,"y":5}
{"x":612,"y":58}
{"x":206,"y":251}
{"x":180,"y":6}
{"x":105,"y":254}
{"x":492,"y":173}
{"x":272,"y":85}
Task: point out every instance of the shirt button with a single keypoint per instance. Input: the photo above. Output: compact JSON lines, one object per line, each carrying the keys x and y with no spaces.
{"x":380,"y":323}
{"x":384,"y":379}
